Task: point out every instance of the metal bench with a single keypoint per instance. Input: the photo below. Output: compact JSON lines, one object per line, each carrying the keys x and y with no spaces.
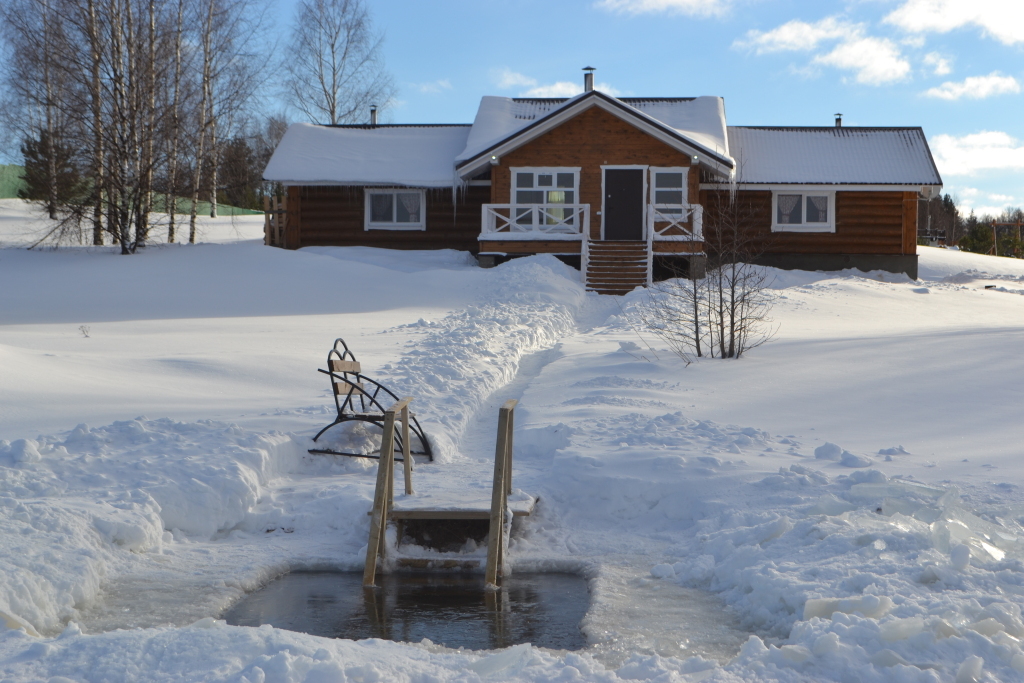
{"x":359,"y":399}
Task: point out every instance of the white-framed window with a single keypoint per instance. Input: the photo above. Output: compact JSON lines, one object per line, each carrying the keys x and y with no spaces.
{"x":540,"y":193}
{"x":803,"y":210}
{"x":668,"y":186}
{"x":395,"y":209}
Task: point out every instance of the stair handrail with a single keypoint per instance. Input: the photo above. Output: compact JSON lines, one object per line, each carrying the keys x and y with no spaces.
{"x":650,"y":249}
{"x":585,"y":256}
{"x":501,"y":520}
{"x":384,"y":491}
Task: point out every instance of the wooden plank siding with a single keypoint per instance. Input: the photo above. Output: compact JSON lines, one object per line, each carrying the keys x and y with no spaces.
{"x":333,"y":216}
{"x":590,"y":140}
{"x":866,"y":223}
{"x":909,"y":222}
{"x":293,"y":221}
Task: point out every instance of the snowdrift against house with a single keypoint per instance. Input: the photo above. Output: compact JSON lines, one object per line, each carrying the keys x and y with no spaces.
{"x":415,"y":156}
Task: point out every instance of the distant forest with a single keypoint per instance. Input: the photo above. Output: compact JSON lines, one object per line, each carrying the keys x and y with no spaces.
{"x":942,"y":221}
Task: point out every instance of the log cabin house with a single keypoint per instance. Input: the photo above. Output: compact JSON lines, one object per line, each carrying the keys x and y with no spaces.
{"x":620,"y":187}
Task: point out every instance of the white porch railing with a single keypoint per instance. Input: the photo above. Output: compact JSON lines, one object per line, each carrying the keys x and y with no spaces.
{"x":672,"y":223}
{"x":675,"y":222}
{"x":534,"y":221}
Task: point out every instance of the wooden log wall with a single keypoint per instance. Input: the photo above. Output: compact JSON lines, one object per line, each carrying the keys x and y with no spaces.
{"x":592,"y":139}
{"x":866,"y":223}
{"x":333,"y":217}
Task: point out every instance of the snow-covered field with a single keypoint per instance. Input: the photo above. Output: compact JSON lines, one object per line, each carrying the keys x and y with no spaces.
{"x":843,"y":503}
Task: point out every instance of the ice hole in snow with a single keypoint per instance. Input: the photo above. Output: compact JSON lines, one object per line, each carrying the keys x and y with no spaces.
{"x":450,"y":608}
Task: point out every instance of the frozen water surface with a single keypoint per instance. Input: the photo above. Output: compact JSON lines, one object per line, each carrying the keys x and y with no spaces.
{"x":633,"y":613}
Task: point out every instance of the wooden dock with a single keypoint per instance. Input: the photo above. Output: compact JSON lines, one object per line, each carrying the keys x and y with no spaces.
{"x":442,"y":504}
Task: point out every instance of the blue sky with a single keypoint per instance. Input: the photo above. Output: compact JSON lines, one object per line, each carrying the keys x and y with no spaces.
{"x":954,"y":67}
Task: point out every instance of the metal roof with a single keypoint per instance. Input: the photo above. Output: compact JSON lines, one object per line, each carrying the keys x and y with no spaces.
{"x":409,"y":155}
{"x":832,"y":156}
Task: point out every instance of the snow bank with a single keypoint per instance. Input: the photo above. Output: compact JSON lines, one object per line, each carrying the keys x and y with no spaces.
{"x":131,"y":486}
{"x":453,"y":364}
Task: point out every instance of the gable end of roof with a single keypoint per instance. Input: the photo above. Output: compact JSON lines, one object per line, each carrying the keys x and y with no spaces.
{"x":566,"y":109}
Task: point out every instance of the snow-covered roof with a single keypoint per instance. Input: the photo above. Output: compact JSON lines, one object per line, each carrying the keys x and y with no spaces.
{"x":417,"y":156}
{"x":428,"y":155}
{"x":839,"y":156}
{"x":698,"y":122}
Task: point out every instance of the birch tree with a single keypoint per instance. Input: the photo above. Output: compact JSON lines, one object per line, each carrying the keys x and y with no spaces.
{"x":132,"y":96}
{"x":334,"y":64}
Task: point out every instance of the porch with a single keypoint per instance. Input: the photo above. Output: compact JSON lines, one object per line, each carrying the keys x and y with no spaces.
{"x":607,"y":265}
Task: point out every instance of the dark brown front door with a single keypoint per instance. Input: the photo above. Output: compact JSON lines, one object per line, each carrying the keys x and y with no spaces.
{"x":623,"y":204}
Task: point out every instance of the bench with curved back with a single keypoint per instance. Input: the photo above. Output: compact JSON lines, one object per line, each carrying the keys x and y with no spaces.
{"x":361,"y":399}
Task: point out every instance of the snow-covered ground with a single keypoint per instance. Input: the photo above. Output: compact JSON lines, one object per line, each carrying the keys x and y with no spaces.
{"x":848,"y":494}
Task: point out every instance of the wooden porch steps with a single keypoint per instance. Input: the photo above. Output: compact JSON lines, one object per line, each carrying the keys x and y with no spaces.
{"x":616,"y":267}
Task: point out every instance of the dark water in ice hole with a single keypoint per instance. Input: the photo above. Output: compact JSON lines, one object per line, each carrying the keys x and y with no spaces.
{"x":449,"y":609}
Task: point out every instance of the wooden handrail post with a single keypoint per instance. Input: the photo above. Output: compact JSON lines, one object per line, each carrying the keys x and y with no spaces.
{"x":499,"y":494}
{"x":406,"y":450}
{"x":508,"y":451}
{"x":381,"y":499}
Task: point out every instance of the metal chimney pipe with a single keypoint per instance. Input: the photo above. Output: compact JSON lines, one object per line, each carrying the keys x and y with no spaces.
{"x":588,"y":78}
{"x":373,"y":114}
{"x":839,"y":120}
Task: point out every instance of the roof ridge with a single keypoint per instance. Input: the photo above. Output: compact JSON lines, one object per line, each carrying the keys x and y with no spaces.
{"x":559,"y":100}
{"x":829,"y":128}
{"x":393,"y":125}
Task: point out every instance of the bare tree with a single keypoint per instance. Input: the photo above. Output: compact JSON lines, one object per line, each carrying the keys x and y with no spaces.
{"x":228,"y":78}
{"x":173,"y":137}
{"x":36,"y":32}
{"x":727,"y":312}
{"x":334,"y":66}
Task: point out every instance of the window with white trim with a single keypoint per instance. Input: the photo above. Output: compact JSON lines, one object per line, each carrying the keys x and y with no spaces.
{"x":803,"y":211}
{"x":540,"y":195}
{"x":395,"y":209}
{"x":668,"y":186}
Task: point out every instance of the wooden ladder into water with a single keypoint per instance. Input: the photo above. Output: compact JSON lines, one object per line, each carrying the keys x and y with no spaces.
{"x":384,"y":511}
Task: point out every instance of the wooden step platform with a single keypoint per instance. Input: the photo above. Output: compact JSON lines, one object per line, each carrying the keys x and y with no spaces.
{"x":425,"y":508}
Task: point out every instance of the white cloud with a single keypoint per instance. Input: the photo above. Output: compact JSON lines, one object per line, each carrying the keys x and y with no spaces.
{"x":1001,"y":19}
{"x":434,"y":86}
{"x":876,"y":61}
{"x":559,"y":89}
{"x":980,"y":202}
{"x":799,"y":35}
{"x":976,"y":87}
{"x":970,"y":154}
{"x":565,"y":89}
{"x":507,"y":78}
{"x":694,"y":8}
{"x":939,"y":64}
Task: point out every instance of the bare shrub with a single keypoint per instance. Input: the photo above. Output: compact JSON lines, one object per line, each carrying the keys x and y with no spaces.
{"x":726,"y":313}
